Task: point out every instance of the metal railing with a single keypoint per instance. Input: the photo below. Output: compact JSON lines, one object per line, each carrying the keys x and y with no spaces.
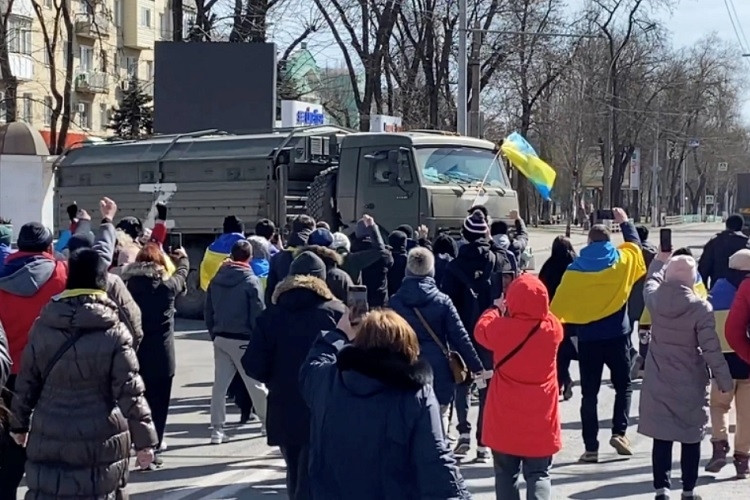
{"x":92,"y":81}
{"x":92,"y":25}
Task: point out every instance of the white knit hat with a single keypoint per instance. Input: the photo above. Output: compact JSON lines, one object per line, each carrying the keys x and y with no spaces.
{"x":740,"y":260}
{"x":681,"y":269}
{"x":340,"y":240}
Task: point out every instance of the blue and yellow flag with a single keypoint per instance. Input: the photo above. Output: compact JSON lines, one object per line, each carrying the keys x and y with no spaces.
{"x":722,"y":295}
{"x":522,"y":156}
{"x":215,"y":256}
{"x":604,"y":276}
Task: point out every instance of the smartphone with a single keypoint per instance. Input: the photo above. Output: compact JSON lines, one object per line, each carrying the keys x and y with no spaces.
{"x":173,"y":242}
{"x":604,"y":215}
{"x":356,"y":300}
{"x":665,"y":239}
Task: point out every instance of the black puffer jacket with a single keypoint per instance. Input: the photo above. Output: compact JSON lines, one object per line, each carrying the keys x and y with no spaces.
{"x":337,"y":279}
{"x":89,"y":406}
{"x":155,"y":293}
{"x":714,"y":261}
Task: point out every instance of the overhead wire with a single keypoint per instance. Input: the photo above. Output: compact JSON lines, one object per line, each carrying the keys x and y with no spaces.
{"x":734,"y":26}
{"x":739,"y":23}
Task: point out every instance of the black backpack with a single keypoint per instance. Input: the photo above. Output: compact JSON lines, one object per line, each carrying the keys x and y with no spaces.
{"x":476,"y":295}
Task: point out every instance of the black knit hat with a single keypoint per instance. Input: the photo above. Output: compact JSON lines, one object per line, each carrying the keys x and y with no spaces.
{"x":34,"y":237}
{"x":407,"y":230}
{"x":232,"y":224}
{"x":481,"y":208}
{"x":397,"y":240}
{"x":475,"y":226}
{"x":308,"y":264}
{"x":86,"y":270}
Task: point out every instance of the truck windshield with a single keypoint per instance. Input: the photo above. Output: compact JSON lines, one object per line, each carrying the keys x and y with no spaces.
{"x":460,"y":165}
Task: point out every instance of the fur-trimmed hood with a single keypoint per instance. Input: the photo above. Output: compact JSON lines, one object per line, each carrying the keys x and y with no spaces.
{"x":147,"y":269}
{"x":330,"y":257}
{"x":368,"y":371}
{"x":300,"y":282}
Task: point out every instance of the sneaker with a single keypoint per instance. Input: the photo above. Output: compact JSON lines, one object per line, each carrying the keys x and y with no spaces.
{"x":741,"y":465}
{"x":662,"y":496}
{"x":163,"y":445}
{"x":463,"y":445}
{"x":589,"y":457}
{"x":483,"y":455}
{"x":218,"y":436}
{"x":622,"y":445}
{"x":691,"y":496}
{"x":719,"y":457}
{"x":635,"y":368}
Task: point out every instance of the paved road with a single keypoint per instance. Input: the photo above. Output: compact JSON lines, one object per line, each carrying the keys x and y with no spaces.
{"x":247,"y":469}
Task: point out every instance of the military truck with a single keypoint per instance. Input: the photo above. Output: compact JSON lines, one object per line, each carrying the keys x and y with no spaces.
{"x":742,"y":198}
{"x":330,"y":173}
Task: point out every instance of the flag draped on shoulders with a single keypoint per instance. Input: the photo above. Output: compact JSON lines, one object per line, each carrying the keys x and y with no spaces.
{"x":215,"y":255}
{"x":598,"y":282}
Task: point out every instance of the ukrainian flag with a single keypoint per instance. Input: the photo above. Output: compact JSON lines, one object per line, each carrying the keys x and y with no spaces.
{"x":699,"y":289}
{"x":215,"y":256}
{"x":722,"y":295}
{"x":522,"y":156}
{"x":604,"y":276}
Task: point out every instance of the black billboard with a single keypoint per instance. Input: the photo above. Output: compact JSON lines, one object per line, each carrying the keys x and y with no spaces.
{"x":214,"y":85}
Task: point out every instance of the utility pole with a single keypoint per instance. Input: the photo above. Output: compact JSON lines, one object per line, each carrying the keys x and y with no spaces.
{"x":474,"y":118}
{"x":462,"y":68}
{"x":655,"y":179}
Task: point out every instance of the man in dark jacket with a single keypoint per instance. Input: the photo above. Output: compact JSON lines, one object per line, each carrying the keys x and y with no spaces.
{"x":336,"y":278}
{"x":302,"y":226}
{"x":301,"y":307}
{"x":714,"y":261}
{"x":398,"y":242}
{"x":233,"y":304}
{"x":374,"y":276}
{"x":473,"y":280}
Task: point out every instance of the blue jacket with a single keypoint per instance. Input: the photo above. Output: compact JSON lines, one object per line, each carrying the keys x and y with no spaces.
{"x":375,"y":426}
{"x":5,"y":250}
{"x":438,"y":310}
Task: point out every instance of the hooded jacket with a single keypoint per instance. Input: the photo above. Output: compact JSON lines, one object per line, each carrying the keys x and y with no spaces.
{"x":90,"y":405}
{"x":301,"y":307}
{"x":438,"y":311}
{"x":522,"y":415}
{"x":376,"y":430}
{"x":337,"y":279}
{"x":674,"y":395}
{"x":233,"y":302}
{"x":280,"y":263}
{"x":155,"y":291}
{"x":29,"y":280}
{"x":215,"y":255}
{"x":714,"y":261}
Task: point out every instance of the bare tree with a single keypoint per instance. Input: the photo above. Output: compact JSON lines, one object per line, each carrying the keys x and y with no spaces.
{"x":10,"y":82}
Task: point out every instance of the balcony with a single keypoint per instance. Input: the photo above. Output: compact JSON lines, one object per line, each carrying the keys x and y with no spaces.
{"x":92,"y":25}
{"x":92,"y":82}
{"x":21,"y":66}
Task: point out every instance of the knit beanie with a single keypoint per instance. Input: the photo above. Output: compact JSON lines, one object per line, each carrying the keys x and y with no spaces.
{"x":740,"y":260}
{"x":407,"y":230}
{"x":341,"y":242}
{"x":233,"y":225}
{"x":308,"y":264}
{"x":482,"y":209}
{"x":6,"y":234}
{"x":397,"y":240}
{"x":34,"y":237}
{"x":681,"y":269}
{"x":321,"y":237}
{"x":475,"y":226}
{"x":420,"y":262}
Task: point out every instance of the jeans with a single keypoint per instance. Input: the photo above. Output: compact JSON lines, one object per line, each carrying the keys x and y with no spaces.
{"x":463,"y":401}
{"x":12,"y":456}
{"x":297,"y":475}
{"x":720,"y":404}
{"x":228,"y":362}
{"x":593,"y":356}
{"x":158,"y":393}
{"x":661,"y":461}
{"x":535,"y":472}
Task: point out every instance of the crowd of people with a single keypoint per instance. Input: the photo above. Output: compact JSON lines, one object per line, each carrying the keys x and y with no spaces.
{"x":361,"y":401}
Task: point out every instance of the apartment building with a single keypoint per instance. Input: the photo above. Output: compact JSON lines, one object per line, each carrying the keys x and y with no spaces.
{"x":113,"y":41}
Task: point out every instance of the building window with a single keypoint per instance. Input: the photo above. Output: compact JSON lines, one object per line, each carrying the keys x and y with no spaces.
{"x":28,"y":108}
{"x":131,"y":65}
{"x":48,"y":110}
{"x":103,"y":116}
{"x":84,"y":115}
{"x":187,"y":24}
{"x":86,"y":7}
{"x":48,"y":4}
{"x":164,"y":20}
{"x":87,"y":58}
{"x":45,"y":56}
{"x":145,"y":17}
{"x":19,"y":36}
{"x":118,"y":13}
{"x":149,"y":70}
{"x":103,"y":61}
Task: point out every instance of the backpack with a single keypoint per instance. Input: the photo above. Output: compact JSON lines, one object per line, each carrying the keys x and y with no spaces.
{"x":476,"y":294}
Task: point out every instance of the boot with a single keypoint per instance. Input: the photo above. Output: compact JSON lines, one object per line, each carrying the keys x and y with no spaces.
{"x":719,"y":458}
{"x":741,"y":465}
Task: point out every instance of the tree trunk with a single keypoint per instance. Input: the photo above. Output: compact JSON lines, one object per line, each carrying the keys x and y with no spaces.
{"x":177,"y":16}
{"x":10,"y":82}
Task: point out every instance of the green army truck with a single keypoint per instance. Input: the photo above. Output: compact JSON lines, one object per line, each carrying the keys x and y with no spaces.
{"x":327,"y":172}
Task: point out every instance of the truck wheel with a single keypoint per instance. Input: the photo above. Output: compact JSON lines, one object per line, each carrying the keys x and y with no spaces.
{"x":190,"y":305}
{"x":321,"y":198}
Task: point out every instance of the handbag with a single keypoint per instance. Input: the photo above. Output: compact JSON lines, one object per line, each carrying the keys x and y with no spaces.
{"x":518,"y":348}
{"x":457,"y":364}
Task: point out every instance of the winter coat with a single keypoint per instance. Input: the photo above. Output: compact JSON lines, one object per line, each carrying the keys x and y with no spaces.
{"x":441,"y":264}
{"x":375,"y":275}
{"x":674,"y":395}
{"x":127,"y":248}
{"x":282,"y":261}
{"x":738,"y":322}
{"x":337,"y":279}
{"x":636,"y":304}
{"x":130,"y":313}
{"x":521,"y":414}
{"x":438,"y":310}
{"x":376,"y":430}
{"x":301,"y":307}
{"x":714,"y":261}
{"x":397,"y":272}
{"x":4,"y":358}
{"x":28,"y":282}
{"x":154,"y":292}
{"x":90,"y":405}
{"x":233,"y":302}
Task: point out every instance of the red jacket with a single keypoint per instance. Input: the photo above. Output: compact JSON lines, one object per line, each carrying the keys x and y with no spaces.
{"x":27,"y":282}
{"x":738,"y":321}
{"x":521,"y":414}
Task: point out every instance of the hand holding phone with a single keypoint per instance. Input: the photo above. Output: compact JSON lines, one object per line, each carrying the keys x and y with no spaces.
{"x":665,"y":239}
{"x":357,"y":303}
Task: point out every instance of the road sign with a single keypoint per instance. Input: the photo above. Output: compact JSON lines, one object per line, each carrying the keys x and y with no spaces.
{"x":723,"y":166}
{"x":709,"y":199}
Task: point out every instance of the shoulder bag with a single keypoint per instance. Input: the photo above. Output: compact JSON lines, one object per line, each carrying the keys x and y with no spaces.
{"x":458,"y":365}
{"x":59,"y":354}
{"x":518,"y":348}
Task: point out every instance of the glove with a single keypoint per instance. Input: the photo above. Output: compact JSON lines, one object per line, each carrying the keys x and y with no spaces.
{"x":161,"y":211}
{"x":72,"y":211}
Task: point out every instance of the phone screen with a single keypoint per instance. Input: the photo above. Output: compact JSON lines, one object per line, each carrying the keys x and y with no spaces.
{"x":604,"y":215}
{"x":665,"y":239}
{"x":357,"y":303}
{"x":173,"y":242}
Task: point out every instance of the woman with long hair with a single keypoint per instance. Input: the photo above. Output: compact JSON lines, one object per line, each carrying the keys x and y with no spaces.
{"x":563,"y":254}
{"x":154,"y":290}
{"x":373,"y":408}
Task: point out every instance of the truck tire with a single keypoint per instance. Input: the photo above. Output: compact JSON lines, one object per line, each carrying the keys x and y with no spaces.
{"x":190,"y":304}
{"x":321,"y":198}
